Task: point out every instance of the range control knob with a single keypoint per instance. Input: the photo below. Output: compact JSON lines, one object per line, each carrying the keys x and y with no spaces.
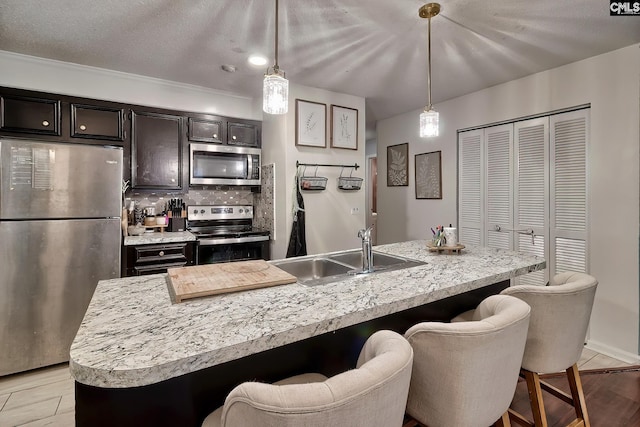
{"x":240,"y":210}
{"x":201,"y":211}
{"x":195,"y":211}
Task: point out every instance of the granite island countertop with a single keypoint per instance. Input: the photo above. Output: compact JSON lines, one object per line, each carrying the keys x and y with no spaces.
{"x":133,"y":335}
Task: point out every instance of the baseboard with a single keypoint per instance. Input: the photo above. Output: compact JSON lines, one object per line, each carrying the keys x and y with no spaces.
{"x":616,"y":353}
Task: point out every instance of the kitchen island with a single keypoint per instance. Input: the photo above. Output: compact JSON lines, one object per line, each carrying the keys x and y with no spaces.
{"x":139,"y":359}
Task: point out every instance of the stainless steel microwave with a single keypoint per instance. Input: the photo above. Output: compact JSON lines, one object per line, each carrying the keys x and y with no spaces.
{"x":212,"y":164}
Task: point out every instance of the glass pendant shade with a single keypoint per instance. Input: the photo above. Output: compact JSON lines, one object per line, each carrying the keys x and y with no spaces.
{"x":429,"y":123}
{"x":275,"y":94}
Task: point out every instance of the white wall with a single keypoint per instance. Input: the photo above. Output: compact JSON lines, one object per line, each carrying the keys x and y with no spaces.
{"x":611,"y":84}
{"x":329,"y":223}
{"x":45,"y":75}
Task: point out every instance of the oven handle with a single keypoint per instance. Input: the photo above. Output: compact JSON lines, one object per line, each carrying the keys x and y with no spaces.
{"x":228,"y":241}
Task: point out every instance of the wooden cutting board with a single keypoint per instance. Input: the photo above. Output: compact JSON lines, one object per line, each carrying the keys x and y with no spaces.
{"x":212,"y":279}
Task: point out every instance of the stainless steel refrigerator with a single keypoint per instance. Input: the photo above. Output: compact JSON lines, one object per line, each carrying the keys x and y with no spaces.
{"x":60,"y":207}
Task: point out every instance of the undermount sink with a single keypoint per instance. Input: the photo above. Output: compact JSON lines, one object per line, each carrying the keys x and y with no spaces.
{"x":312,"y":268}
{"x":313,"y":271}
{"x":354,"y":258}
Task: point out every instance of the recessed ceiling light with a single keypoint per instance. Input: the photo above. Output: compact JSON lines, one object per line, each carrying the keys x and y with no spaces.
{"x":257,"y":60}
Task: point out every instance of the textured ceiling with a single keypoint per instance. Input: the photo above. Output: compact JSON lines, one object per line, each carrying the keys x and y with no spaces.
{"x":371,"y":48}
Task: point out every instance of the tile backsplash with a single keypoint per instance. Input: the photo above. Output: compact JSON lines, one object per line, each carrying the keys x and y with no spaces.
{"x":262,"y":202}
{"x":263,"y":213}
{"x":210,"y":196}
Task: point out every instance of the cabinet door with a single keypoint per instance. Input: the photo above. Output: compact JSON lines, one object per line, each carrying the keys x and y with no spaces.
{"x":93,"y":122}
{"x":30,"y":115}
{"x":156,"y":154}
{"x":202,"y":130}
{"x":243,"y":133}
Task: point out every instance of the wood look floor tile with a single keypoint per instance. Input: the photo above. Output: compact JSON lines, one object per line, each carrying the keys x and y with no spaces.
{"x":3,"y":400}
{"x":600,"y":361}
{"x":60,"y":420}
{"x":34,"y":378}
{"x":28,"y":413}
{"x":39,"y":393}
{"x":587,"y":354}
{"x":67,"y":403}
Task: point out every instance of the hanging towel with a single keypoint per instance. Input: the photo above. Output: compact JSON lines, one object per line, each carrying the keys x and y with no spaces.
{"x":297,"y":240}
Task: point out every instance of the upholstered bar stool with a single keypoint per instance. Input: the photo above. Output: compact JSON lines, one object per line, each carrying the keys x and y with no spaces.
{"x":465,"y":373}
{"x":374,"y":394}
{"x":560,"y":315}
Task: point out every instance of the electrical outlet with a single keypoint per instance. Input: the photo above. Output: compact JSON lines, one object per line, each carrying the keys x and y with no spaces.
{"x":355,"y":211}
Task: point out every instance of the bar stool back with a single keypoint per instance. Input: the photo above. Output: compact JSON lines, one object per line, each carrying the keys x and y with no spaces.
{"x":560,"y":316}
{"x":374,"y":394}
{"x":465,"y":373}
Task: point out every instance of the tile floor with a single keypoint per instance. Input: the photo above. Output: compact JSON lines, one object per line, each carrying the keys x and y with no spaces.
{"x":45,"y":397}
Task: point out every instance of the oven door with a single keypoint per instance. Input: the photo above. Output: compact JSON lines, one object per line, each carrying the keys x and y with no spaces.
{"x":224,"y":165}
{"x":211,"y":251}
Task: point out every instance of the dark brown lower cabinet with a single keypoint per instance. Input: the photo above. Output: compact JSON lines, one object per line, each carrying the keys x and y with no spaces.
{"x":139,"y":260}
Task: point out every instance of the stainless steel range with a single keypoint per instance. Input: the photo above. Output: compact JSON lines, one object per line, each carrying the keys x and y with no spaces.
{"x":226,"y":233}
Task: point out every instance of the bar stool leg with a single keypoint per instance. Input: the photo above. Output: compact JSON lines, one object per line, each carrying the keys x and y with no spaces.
{"x":503,"y":421}
{"x":578,"y":394}
{"x":535,"y":397}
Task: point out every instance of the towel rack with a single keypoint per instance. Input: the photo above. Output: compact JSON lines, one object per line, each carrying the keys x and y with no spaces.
{"x":354,"y":166}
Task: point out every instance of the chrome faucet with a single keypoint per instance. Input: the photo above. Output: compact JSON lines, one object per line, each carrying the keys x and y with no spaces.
{"x":367,"y":251}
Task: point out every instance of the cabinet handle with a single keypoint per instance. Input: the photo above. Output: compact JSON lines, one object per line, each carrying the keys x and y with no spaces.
{"x":215,"y":135}
{"x":45,"y":123}
{"x":83,"y":127}
{"x":234,"y":137}
{"x":161,"y":253}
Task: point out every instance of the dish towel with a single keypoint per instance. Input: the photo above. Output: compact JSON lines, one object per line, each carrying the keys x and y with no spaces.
{"x":297,"y":240}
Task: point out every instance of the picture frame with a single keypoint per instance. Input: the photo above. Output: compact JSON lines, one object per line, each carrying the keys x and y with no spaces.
{"x":398,"y":165}
{"x":428,"y":175}
{"x":311,"y":124}
{"x":344,"y":127}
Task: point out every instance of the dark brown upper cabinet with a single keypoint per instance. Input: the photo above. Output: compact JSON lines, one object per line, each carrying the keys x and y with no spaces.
{"x":207,"y":130}
{"x":156,"y":151}
{"x":30,"y":115}
{"x":245,"y":133}
{"x":97,"y":122}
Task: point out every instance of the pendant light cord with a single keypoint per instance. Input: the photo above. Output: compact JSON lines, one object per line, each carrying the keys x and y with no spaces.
{"x":276,"y":64}
{"x":429,"y":62}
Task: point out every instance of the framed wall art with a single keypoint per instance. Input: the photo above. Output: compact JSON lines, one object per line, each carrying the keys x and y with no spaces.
{"x":311,"y":123}
{"x":398,"y":165}
{"x":344,"y":127}
{"x":429,"y":175}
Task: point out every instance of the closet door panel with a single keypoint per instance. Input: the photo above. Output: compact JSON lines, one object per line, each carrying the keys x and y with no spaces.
{"x":568,"y":214}
{"x":531,"y":194}
{"x":470,"y":185}
{"x":499,"y":188}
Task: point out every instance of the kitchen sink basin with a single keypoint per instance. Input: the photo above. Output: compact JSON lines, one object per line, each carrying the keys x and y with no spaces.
{"x":312,"y":268}
{"x":333,"y":268}
{"x":354,"y":258}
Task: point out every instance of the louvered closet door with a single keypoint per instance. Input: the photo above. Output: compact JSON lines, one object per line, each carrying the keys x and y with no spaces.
{"x":568,"y":215}
{"x":470,"y":197}
{"x":531,"y":194}
{"x":499,"y":194}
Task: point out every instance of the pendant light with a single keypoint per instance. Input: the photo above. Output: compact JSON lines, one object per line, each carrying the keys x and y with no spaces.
{"x":275,"y":88}
{"x":429,"y":117}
